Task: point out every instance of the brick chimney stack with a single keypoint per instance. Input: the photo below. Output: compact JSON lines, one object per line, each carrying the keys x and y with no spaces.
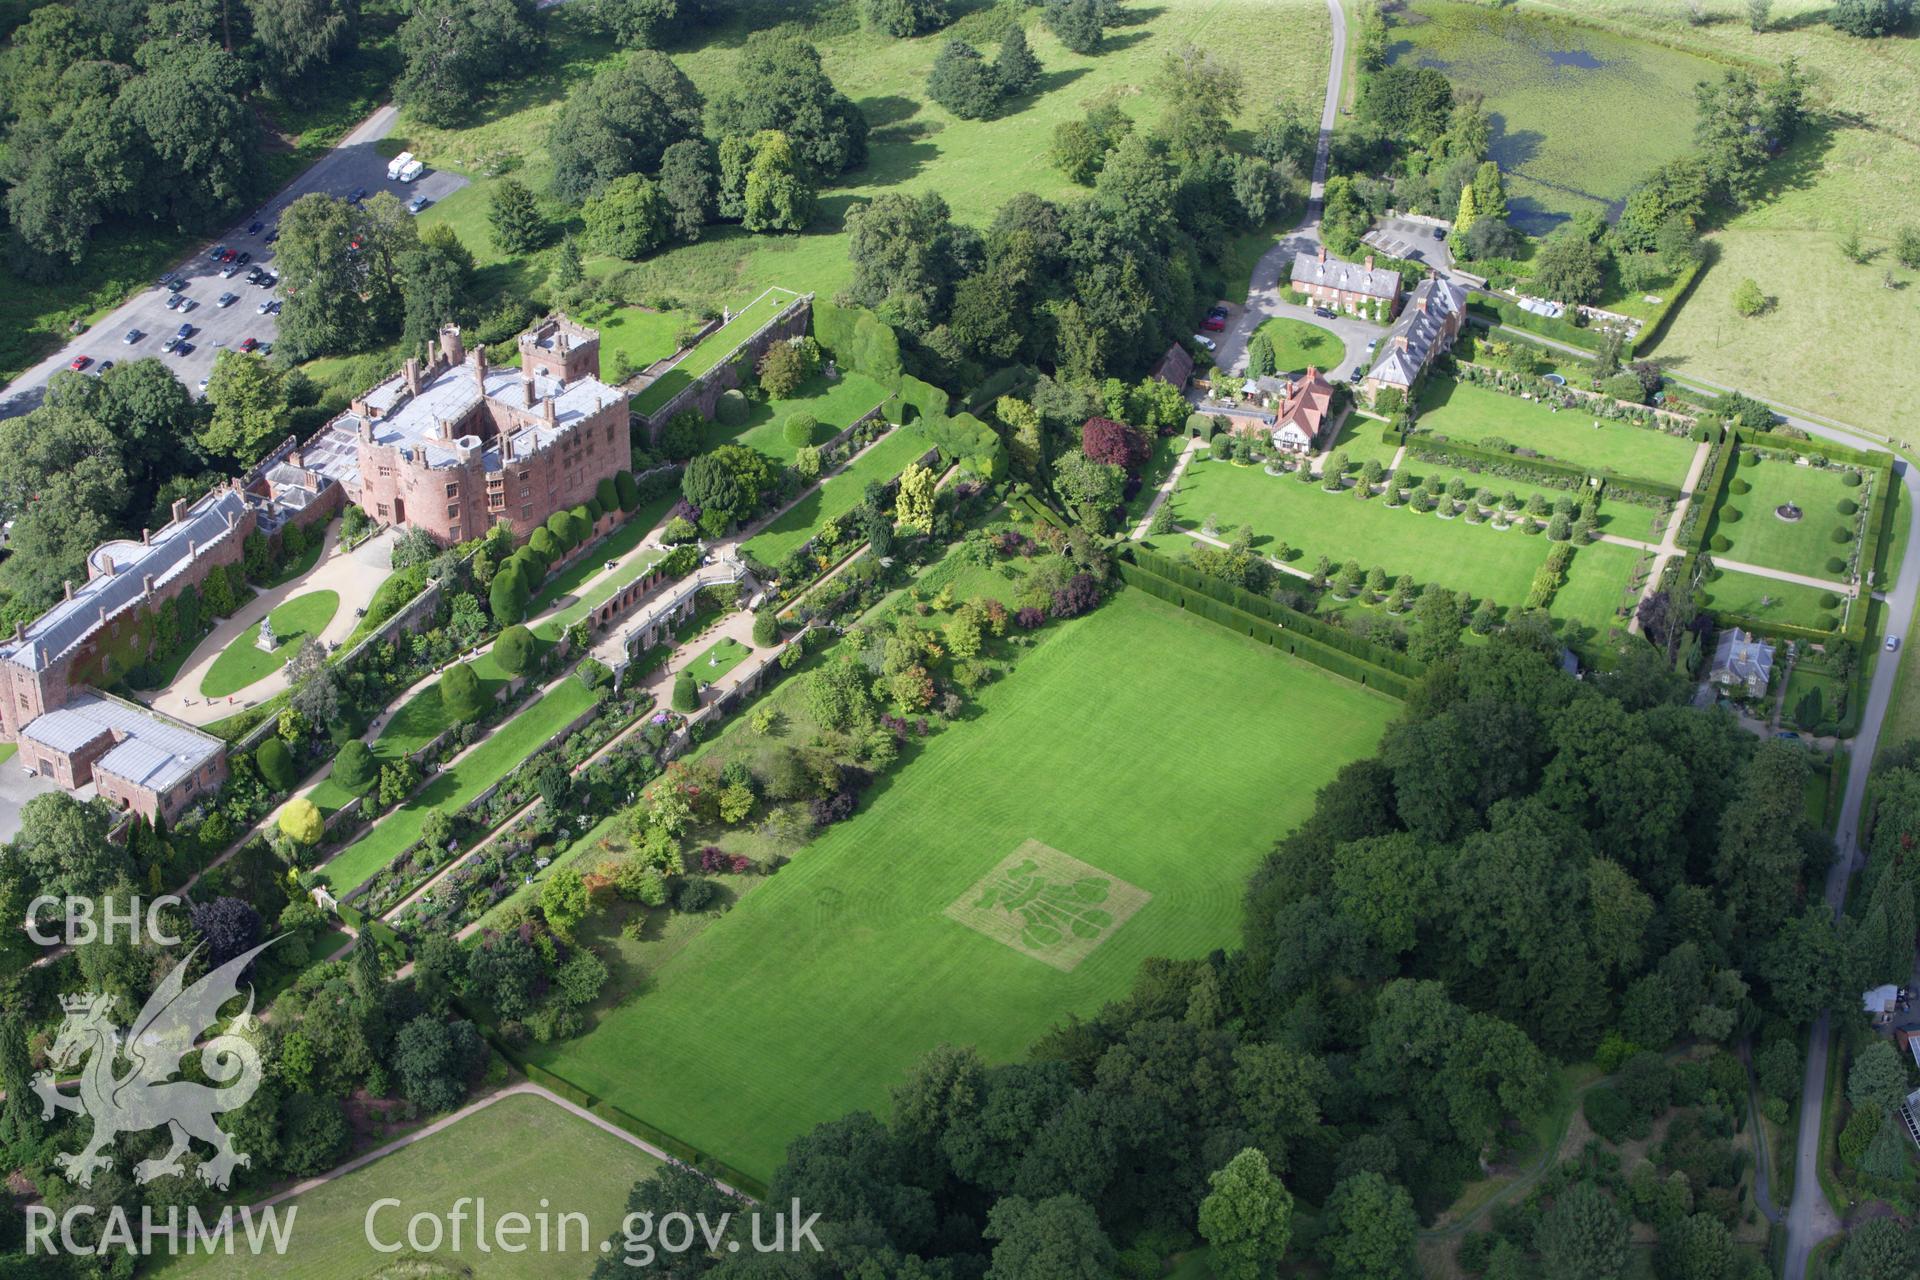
{"x":68,"y":584}
{"x":1369,"y":262}
{"x":526,"y":385}
{"x":450,"y":345}
{"x":1323,"y":253}
{"x":180,"y":506}
{"x":146,"y":584}
{"x":146,"y":537}
{"x":412,"y":369}
{"x":480,"y":365}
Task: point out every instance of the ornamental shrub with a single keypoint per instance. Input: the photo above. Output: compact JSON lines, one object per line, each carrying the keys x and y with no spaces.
{"x":1739,"y":487}
{"x":1836,"y":565}
{"x":1731,"y":515}
{"x":1847,"y":506}
{"x":353,"y":767}
{"x":1851,"y":479}
{"x":580,"y":524}
{"x":275,"y":765}
{"x":1842,"y":534}
{"x":513,"y":651}
{"x":300,"y":822}
{"x":607,"y":494}
{"x":1721,"y":542}
{"x":544,"y":544}
{"x":800,"y":430}
{"x":732,"y":409}
{"x":766,"y":629}
{"x":686,"y":697}
{"x":627,"y":489}
{"x":461,"y":694}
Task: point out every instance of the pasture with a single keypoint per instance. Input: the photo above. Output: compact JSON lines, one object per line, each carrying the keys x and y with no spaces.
{"x":520,"y":1153}
{"x":244,"y":662}
{"x":1756,"y":535}
{"x":1547,"y":81}
{"x":916,"y":146}
{"x":1466,"y":412}
{"x":813,"y":995}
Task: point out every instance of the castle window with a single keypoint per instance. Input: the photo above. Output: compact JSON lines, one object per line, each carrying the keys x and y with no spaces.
{"x":453,"y":511}
{"x":453,"y":491}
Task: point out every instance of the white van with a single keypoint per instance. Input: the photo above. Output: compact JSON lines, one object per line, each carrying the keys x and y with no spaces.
{"x":399,"y":164}
{"x":413,"y":170}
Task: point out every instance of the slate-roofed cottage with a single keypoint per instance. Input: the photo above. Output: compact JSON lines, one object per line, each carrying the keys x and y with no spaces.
{"x":1428,"y":324}
{"x":1742,"y":662}
{"x":1345,"y":286}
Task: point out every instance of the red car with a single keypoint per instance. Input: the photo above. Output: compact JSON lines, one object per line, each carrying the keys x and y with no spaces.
{"x":250,"y":344}
{"x":1216,"y":320}
{"x":80,"y":362}
{"x":229,"y":255}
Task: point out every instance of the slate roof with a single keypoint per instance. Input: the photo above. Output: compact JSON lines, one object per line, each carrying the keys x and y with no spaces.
{"x":150,"y":750}
{"x":170,"y":552}
{"x":454,"y":393}
{"x":1351,"y":277}
{"x":1739,"y":656}
{"x":1422,"y":323}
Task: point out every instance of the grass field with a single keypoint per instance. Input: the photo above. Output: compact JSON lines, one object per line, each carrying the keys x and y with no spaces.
{"x":1546,"y":82}
{"x":1753,"y":596}
{"x":1450,"y":553}
{"x":520,"y":1153}
{"x":712,"y":349}
{"x":636,"y":335}
{"x":243,"y":661}
{"x":836,"y":405}
{"x":1362,"y":438}
{"x":1760,"y":537}
{"x":717,"y":660}
{"x":976,"y":165}
{"x":1595,"y":587}
{"x":1466,"y":412}
{"x":813,"y":995}
{"x":836,"y":494}
{"x":1297,"y":344}
{"x":479,"y":769}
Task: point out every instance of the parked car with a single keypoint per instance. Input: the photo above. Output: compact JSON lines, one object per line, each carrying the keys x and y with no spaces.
{"x":1324,"y":313}
{"x":187,"y":304}
{"x":1202,"y":340}
{"x":104,"y":366}
{"x":176,"y":284}
{"x":250,"y":344}
{"x":203,"y":384}
{"x":267,"y":280}
{"x":79,"y":362}
{"x":183,"y":349}
{"x":1787,"y":735}
{"x":227,"y":299}
{"x":253,"y":229}
{"x":273,"y":233}
{"x":244,"y":258}
{"x":1372,"y":343}
{"x":184,"y":331}
{"x":1893,"y":642}
{"x":1439,"y":233}
{"x":229,"y":255}
{"x":418,"y":203}
{"x":1216,"y":320}
{"x":165,"y":281}
{"x":359,"y":194}
{"x":219,"y":253}
{"x":170,"y":344}
{"x":229,"y":271}
{"x":266,"y":308}
{"x":174,"y":301}
{"x":133,"y":336}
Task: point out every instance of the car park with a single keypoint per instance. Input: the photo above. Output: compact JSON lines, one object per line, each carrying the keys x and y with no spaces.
{"x":80,"y":362}
{"x":133,"y":336}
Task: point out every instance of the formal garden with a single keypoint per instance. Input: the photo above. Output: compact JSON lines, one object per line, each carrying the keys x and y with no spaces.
{"x":244,"y":662}
{"x":1494,"y":419}
{"x":1748,"y":595}
{"x":1801,"y":517}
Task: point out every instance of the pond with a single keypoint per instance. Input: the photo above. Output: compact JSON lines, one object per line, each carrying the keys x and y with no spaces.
{"x":1546,"y":82}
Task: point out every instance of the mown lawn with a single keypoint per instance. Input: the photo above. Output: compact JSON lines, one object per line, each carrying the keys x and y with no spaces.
{"x":1297,"y":344}
{"x":718,"y":659}
{"x":835,"y":405}
{"x":243,"y":662}
{"x":522,"y":1154}
{"x":1362,"y":438}
{"x":1466,"y":412}
{"x":1752,"y":596}
{"x":813,"y":995}
{"x":836,"y":494}
{"x":1547,"y":81}
{"x":1477,"y":559}
{"x":1758,"y":536}
{"x":478,"y":770}
{"x":637,"y":336}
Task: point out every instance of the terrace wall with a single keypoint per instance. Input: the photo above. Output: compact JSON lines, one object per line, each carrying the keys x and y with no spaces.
{"x":704,"y":392}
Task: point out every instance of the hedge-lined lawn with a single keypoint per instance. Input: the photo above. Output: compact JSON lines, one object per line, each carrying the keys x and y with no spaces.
{"x":1362,"y":438}
{"x":1630,"y":518}
{"x":1466,"y":412}
{"x":519,"y":1154}
{"x":1752,"y":596}
{"x":1757,"y":536}
{"x":813,"y":995}
{"x":481,"y":768}
{"x":1297,"y":344}
{"x":713,"y":348}
{"x":1166,"y":451}
{"x":836,"y":494}
{"x":836,"y":405}
{"x":1451,"y":553}
{"x":1596,"y":584}
{"x":244,"y":662}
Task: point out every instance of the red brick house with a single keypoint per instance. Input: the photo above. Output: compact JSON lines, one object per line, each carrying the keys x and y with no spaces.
{"x":1304,"y":412}
{"x":1345,"y":286}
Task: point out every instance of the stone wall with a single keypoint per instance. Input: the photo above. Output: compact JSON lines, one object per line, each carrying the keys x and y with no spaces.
{"x":704,"y":392}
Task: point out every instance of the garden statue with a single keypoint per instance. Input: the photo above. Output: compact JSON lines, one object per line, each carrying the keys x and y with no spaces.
{"x":266,"y":640}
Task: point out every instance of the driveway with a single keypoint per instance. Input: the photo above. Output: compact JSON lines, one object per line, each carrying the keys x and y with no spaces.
{"x":355,"y":163}
{"x":1413,"y":239}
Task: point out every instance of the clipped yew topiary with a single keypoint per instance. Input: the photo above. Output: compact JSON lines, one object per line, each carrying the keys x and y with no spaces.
{"x":766,"y":628}
{"x":732,"y":409}
{"x":1842,"y":534}
{"x":686,"y":697}
{"x":545,"y":545}
{"x":800,"y":430}
{"x":275,"y":764}
{"x":607,"y":494}
{"x":1731,"y":515}
{"x":461,"y":694}
{"x":1836,"y":565}
{"x":1739,"y":486}
{"x":1851,"y":479}
{"x":1848,"y":507}
{"x":513,"y":651}
{"x":628,"y":490}
{"x":1721,"y":542}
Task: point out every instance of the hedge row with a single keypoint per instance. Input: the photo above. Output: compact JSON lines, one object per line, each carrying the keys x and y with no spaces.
{"x":858,"y":340}
{"x":1548,"y":577}
{"x":1867,"y":459}
{"x":1424,"y":445}
{"x":1773,"y":629}
{"x":1655,"y":325}
{"x":1501,"y":311}
{"x":1271,"y":611}
{"x":1294,"y":642}
{"x":1708,"y":495}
